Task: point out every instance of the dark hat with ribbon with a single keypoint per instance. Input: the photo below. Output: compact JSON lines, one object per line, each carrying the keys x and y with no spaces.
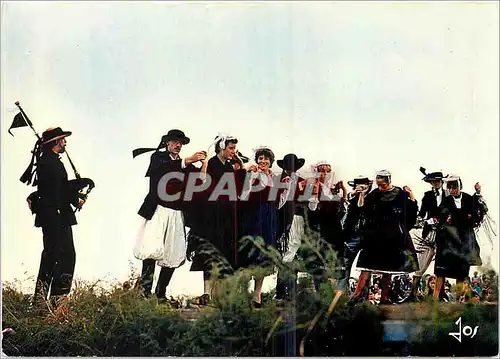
{"x":359,"y":180}
{"x":291,"y":162}
{"x":53,"y":134}
{"x":49,"y":135}
{"x":434,"y":176}
{"x":172,"y":135}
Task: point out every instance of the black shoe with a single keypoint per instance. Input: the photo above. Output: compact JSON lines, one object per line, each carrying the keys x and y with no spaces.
{"x":256,"y":305}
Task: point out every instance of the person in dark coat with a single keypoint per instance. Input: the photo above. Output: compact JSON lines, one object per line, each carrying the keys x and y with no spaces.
{"x":355,"y":218}
{"x":457,"y":248}
{"x":291,"y":222}
{"x":386,"y":243}
{"x":428,"y":215}
{"x":162,"y":238}
{"x":55,"y":216}
{"x":213,"y":236}
{"x":258,"y":219}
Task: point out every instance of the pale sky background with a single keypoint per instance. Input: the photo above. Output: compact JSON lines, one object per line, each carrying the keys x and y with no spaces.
{"x":364,"y":85}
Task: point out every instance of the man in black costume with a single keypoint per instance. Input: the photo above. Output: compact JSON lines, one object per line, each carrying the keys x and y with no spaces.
{"x":291,"y":223}
{"x":164,"y":217}
{"x":55,"y":216}
{"x":428,"y":216}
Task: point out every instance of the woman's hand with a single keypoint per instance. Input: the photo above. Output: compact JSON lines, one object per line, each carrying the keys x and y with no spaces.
{"x":410,"y":193}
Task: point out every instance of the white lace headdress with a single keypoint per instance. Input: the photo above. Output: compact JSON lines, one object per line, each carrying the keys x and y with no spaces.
{"x":222,"y":137}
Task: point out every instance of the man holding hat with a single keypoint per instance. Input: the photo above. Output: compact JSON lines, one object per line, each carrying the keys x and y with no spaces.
{"x":55,"y":216}
{"x":162,"y":238}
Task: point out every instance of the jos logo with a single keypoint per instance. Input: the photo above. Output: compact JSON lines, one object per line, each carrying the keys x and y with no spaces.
{"x":466,"y":331}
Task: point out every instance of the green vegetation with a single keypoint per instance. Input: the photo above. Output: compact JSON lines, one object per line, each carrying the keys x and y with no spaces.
{"x":120,"y":322}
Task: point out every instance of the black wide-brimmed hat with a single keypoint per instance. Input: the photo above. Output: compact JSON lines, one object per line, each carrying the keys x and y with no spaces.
{"x":175,"y":135}
{"x":433,"y":176}
{"x":360,"y":180}
{"x":171,"y":135}
{"x":54,"y":134}
{"x":291,"y":162}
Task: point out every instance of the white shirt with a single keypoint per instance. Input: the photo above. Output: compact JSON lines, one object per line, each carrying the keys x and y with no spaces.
{"x":183,"y":163}
{"x":439,"y":195}
{"x":458,"y":201}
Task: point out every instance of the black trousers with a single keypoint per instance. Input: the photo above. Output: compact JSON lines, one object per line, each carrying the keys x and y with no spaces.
{"x":145,"y":283}
{"x":57,"y":264}
{"x":286,"y":285}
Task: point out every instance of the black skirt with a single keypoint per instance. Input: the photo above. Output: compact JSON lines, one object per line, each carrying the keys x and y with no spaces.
{"x":456,"y":251}
{"x":213,"y":238}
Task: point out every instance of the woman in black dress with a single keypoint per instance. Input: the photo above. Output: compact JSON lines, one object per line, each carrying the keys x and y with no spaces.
{"x":214,"y":230}
{"x":386,"y":244}
{"x":456,"y":244}
{"x":258,"y":219}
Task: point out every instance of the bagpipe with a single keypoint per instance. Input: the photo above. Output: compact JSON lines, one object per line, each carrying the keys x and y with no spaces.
{"x":79,"y":187}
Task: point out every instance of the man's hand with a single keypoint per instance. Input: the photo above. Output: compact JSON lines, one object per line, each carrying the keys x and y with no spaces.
{"x":29,"y":204}
{"x":252,"y":168}
{"x":198,"y":156}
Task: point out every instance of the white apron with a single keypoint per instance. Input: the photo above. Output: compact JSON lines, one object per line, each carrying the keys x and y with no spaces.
{"x":162,"y":238}
{"x":295,"y":238}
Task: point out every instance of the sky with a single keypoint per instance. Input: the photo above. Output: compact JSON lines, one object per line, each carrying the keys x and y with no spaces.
{"x":366,"y":86}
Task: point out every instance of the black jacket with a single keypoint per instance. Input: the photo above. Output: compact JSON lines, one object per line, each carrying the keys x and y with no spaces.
{"x":161,"y":164}
{"x":429,"y":208}
{"x":457,"y":242}
{"x":55,"y":193}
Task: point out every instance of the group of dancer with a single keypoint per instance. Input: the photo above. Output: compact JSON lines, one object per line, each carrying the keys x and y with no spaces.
{"x":272,"y":214}
{"x":226,"y":213}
